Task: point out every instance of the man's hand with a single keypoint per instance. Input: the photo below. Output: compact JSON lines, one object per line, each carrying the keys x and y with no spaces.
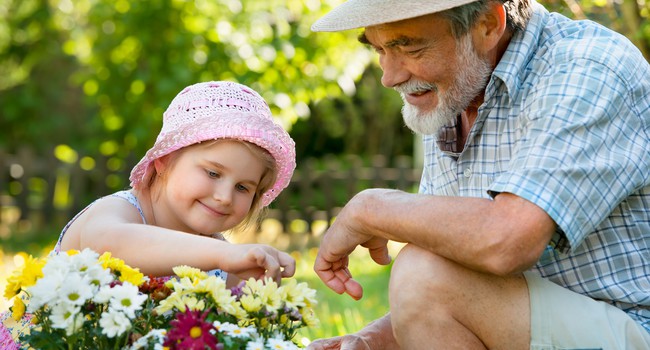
{"x":346,"y":342}
{"x":377,"y":335}
{"x":346,"y":233}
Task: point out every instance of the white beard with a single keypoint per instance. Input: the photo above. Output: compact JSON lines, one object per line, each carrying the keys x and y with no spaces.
{"x":470,"y":81}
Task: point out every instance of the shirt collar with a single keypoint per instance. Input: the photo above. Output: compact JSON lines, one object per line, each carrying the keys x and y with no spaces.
{"x":512,"y":67}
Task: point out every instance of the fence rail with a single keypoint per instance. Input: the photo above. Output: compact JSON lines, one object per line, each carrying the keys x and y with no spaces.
{"x":40,"y":192}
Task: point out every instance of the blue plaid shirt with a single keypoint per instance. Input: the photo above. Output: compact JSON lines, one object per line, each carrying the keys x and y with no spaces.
{"x":566,"y":125}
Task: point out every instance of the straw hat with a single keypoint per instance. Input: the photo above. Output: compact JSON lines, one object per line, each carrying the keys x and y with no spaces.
{"x":364,"y":13}
{"x":221,"y":110}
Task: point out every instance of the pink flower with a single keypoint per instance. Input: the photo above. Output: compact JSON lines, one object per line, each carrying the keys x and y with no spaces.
{"x":6,"y":340}
{"x":190,"y":331}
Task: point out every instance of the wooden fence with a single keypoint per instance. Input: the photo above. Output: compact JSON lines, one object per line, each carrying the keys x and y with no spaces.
{"x":42,"y":192}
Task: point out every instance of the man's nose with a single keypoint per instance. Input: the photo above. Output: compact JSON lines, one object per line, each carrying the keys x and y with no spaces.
{"x":394,"y":71}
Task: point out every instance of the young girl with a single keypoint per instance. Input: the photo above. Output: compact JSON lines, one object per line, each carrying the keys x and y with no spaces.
{"x":218,"y":160}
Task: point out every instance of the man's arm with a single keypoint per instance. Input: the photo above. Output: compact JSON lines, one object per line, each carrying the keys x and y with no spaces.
{"x":503,"y":236}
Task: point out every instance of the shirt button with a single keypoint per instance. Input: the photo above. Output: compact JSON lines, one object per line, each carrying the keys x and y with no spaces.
{"x":467,"y":172}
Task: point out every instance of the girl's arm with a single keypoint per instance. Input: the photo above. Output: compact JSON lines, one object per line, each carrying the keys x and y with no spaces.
{"x":113,"y":225}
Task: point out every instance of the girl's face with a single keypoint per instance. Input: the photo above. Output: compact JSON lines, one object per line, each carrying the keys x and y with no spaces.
{"x":208,"y":189}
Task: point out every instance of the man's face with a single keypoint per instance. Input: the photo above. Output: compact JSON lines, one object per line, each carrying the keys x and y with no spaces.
{"x":437,"y":76}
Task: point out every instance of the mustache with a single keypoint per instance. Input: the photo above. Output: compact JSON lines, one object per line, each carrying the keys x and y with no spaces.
{"x":414,"y":86}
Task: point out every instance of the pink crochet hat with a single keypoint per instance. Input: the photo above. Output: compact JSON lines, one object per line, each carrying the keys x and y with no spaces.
{"x":221,"y":110}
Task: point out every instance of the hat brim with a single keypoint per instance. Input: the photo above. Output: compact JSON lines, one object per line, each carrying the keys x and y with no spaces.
{"x":239,"y":125}
{"x":365,"y":13}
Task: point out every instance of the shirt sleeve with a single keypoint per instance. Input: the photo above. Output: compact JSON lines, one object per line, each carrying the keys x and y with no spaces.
{"x":582,"y":145}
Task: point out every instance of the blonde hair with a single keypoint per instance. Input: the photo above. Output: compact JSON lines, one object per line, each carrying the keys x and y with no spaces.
{"x":256,"y":211}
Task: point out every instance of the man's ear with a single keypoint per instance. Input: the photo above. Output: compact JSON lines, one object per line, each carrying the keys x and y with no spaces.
{"x":490,"y":27}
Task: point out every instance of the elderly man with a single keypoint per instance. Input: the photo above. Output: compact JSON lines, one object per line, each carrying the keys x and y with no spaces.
{"x":531,"y":229}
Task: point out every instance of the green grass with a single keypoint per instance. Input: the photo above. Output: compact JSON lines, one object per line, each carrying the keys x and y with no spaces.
{"x":340,"y":314}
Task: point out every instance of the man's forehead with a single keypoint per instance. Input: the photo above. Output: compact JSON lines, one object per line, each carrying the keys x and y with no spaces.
{"x":407,"y":32}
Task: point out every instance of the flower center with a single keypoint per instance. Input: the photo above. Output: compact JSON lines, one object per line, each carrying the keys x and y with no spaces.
{"x":195,"y":332}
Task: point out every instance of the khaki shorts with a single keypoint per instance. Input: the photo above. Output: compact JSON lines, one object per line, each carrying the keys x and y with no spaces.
{"x":562,"y":319}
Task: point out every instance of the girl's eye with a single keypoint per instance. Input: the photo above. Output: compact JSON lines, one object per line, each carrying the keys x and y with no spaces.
{"x":212,"y":174}
{"x":241,"y":188}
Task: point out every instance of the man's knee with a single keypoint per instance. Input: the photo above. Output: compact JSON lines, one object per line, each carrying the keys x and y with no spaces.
{"x":418,"y":278}
{"x":415,"y":266}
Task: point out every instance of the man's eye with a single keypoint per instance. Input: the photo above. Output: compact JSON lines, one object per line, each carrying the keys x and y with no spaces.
{"x":378,"y":50}
{"x":413,"y":52}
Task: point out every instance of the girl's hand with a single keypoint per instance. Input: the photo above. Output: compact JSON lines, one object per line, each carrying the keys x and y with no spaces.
{"x":258,"y":261}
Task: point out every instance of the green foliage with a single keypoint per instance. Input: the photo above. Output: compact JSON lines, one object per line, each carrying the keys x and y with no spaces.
{"x":96,"y":75}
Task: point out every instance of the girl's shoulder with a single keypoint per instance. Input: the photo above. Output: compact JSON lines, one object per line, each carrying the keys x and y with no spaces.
{"x":131,"y":198}
{"x":119,"y":204}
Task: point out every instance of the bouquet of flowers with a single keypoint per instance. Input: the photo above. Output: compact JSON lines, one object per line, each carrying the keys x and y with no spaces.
{"x":81,"y":300}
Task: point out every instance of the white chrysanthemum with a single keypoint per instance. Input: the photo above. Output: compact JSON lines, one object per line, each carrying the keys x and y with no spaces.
{"x":57,"y":263}
{"x":114,"y":323}
{"x":234,"y":330}
{"x":66,"y":316}
{"x":83,"y":260}
{"x":155,"y":337}
{"x":46,"y":290}
{"x":98,"y":275}
{"x":103,"y":295}
{"x":255,"y":345}
{"x":127,"y":298}
{"x":280,"y":344}
{"x":76,"y":289}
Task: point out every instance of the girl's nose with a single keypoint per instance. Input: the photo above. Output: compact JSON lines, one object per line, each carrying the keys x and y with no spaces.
{"x":394,"y":71}
{"x":223,"y":193}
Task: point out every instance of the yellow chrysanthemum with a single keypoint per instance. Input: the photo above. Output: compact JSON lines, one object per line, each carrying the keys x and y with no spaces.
{"x":13,"y":286}
{"x":308,"y":317}
{"x":24,"y":276}
{"x":192,"y":303}
{"x":172,"y":301}
{"x":297,"y":295}
{"x":32,"y":270}
{"x":180,"y":285}
{"x":131,"y":275}
{"x":18,"y":309}
{"x":109,"y":262}
{"x":266,"y":290}
{"x":189,"y":272}
{"x":250,"y":303}
{"x":284,"y":319}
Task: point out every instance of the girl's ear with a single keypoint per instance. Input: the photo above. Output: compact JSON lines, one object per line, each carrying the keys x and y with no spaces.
{"x":160,"y":164}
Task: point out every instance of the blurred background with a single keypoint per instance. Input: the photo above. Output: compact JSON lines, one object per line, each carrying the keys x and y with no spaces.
{"x":84,"y":83}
